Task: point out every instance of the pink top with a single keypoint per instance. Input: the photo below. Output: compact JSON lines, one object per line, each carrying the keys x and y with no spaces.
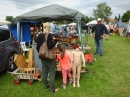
{"x":66,"y":61}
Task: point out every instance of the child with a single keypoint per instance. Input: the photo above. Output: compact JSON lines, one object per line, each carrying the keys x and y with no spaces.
{"x":65,"y":64}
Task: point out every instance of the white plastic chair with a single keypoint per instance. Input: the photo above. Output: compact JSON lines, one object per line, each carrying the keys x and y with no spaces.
{"x":24,"y":47}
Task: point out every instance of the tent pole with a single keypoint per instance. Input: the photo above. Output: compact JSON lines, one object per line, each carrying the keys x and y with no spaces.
{"x":80,"y":33}
{"x":87,"y":36}
{"x":18,"y":32}
{"x":21,"y":34}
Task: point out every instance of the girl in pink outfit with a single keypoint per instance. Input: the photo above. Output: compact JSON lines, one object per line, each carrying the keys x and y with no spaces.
{"x":65,"y":64}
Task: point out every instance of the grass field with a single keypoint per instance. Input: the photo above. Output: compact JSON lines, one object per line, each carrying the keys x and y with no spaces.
{"x":111,"y":77}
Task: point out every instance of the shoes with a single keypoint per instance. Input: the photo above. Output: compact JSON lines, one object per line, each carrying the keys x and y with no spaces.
{"x":48,"y":86}
{"x":95,"y":54}
{"x":64,"y":87}
{"x":55,"y":90}
{"x":101,"y":55}
{"x":70,"y":81}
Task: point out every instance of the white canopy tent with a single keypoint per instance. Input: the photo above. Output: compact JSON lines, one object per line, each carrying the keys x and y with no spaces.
{"x":72,"y":24}
{"x":92,"y":22}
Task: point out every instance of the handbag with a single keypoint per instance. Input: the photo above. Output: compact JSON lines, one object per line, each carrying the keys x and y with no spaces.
{"x":44,"y":52}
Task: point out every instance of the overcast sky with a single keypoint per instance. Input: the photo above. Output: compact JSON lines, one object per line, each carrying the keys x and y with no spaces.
{"x":18,"y":7}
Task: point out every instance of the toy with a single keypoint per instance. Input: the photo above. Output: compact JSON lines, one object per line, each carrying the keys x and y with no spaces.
{"x":26,"y":73}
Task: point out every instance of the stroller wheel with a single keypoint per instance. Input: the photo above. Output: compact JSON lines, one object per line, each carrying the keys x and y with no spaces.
{"x":30,"y":82}
{"x":17,"y":82}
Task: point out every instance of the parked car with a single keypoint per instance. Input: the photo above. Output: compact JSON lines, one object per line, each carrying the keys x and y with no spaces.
{"x":8,"y":47}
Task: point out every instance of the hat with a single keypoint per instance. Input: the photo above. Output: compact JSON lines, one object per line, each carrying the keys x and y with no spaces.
{"x":99,"y":19}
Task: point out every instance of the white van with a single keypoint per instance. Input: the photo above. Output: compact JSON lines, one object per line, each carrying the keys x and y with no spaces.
{"x":4,"y":24}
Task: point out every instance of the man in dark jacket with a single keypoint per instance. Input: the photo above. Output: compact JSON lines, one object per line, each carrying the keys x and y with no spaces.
{"x":99,"y":30}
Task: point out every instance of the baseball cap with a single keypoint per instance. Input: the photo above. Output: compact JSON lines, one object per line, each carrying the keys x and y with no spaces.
{"x":99,"y":19}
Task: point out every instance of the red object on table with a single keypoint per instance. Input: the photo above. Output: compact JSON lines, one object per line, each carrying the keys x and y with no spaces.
{"x":75,"y":46}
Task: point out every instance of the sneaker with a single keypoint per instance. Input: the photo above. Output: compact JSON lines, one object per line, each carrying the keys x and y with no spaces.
{"x":64,"y":87}
{"x":48,"y":86}
{"x":101,"y":55}
{"x":70,"y":81}
{"x":95,"y":53}
{"x":55,"y":90}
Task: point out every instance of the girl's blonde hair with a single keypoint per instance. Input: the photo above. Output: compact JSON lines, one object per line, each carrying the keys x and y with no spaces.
{"x":62,"y":50}
{"x":46,"y":27}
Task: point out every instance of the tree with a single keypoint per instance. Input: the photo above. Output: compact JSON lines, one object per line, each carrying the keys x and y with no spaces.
{"x":126,"y":16}
{"x":9,"y":18}
{"x":87,"y":19}
{"x":116,"y":18}
{"x":103,"y":11}
{"x":119,"y":17}
{"x":92,"y":18}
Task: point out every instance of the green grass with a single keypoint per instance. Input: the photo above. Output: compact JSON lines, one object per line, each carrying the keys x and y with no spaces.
{"x":111,"y":77}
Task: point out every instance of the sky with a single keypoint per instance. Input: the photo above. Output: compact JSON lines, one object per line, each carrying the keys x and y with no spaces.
{"x":17,"y":7}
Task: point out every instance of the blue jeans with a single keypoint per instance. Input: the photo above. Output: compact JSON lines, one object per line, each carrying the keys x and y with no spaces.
{"x":99,"y":47}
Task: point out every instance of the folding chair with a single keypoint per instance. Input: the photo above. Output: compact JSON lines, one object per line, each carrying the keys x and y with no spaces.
{"x":23,"y":47}
{"x":21,"y":61}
